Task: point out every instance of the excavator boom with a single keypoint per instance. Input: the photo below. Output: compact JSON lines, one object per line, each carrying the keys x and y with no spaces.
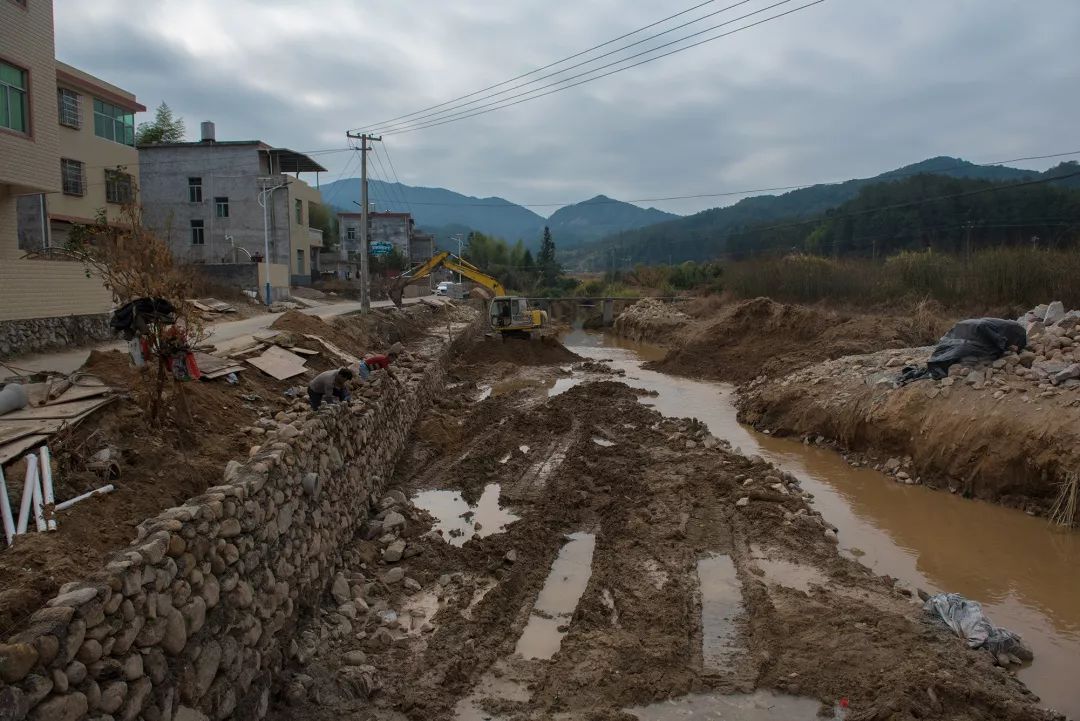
{"x":451,"y":262}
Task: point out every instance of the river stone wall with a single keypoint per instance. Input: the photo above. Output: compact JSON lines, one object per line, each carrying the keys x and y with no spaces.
{"x":192,"y":621}
{"x":39,"y":334}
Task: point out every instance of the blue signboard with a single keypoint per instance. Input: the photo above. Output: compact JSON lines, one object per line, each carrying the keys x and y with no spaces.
{"x":380,"y":247}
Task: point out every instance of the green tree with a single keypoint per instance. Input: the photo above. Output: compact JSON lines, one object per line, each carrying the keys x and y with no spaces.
{"x":549,"y":266}
{"x":323,"y":218}
{"x":166,"y":128}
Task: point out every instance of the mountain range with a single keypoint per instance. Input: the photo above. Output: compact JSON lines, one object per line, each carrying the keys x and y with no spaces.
{"x":446,"y":213}
{"x":701,"y":236}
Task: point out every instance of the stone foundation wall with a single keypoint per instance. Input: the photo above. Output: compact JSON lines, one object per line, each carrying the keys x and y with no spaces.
{"x":40,"y":334}
{"x":194,"y":619}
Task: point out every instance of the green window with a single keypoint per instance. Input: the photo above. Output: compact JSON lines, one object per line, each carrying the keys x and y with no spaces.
{"x":114,"y":123}
{"x":13,"y":109}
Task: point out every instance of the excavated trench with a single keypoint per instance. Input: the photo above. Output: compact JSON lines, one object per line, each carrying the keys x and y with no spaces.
{"x":564,"y":548}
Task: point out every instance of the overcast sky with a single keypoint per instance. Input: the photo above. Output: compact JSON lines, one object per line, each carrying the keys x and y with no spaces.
{"x":844,"y":89}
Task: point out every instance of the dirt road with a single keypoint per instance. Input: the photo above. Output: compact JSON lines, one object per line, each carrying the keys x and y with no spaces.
{"x":224,"y":335}
{"x":583,"y":557}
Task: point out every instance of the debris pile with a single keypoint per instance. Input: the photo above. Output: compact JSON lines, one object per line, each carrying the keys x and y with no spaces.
{"x":650,"y":319}
{"x":1048,"y":367}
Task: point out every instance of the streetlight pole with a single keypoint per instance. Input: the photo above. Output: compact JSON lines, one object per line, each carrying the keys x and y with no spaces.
{"x":266,"y":193}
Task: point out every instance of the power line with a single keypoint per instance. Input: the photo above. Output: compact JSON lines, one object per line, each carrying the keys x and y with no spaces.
{"x":611,"y":72}
{"x":404,"y":195}
{"x":392,"y":189}
{"x":592,"y":60}
{"x":545,"y":67}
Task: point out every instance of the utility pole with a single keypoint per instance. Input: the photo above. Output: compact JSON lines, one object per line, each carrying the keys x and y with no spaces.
{"x":365,"y":277}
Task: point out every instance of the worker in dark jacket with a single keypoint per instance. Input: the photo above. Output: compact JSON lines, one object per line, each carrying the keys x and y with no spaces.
{"x":329,"y":386}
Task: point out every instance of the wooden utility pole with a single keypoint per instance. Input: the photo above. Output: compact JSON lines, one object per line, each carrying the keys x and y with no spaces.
{"x":365,"y":276}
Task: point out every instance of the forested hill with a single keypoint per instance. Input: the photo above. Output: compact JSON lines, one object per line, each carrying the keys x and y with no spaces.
{"x":597,"y":217}
{"x":952,"y":215}
{"x":705,"y":235}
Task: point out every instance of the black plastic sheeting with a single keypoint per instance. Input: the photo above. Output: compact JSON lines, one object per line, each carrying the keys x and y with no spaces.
{"x":972,"y":340}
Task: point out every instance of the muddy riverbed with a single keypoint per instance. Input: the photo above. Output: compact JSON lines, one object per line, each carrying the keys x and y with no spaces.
{"x":1021,"y":569}
{"x":555,"y":548}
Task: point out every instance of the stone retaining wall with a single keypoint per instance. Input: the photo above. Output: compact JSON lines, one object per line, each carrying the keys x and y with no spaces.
{"x":40,"y":334}
{"x":194,"y":619}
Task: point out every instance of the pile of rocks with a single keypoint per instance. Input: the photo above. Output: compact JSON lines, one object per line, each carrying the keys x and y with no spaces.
{"x":1049,"y":366}
{"x":765,"y":482}
{"x":358,"y":618}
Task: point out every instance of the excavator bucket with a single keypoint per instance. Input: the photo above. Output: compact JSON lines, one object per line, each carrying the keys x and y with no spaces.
{"x":396,"y":292}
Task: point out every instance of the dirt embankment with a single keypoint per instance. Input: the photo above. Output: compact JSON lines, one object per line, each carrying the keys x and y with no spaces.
{"x":163,"y":463}
{"x":423,"y":629}
{"x":1002,"y":434}
{"x":742,"y":340}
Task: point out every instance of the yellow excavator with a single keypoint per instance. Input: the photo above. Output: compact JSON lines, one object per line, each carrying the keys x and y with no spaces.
{"x":509,"y":315}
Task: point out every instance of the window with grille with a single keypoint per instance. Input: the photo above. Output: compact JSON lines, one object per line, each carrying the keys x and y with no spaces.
{"x":222,"y":206}
{"x":73,"y":174}
{"x":14,"y":110}
{"x":68,"y":103}
{"x":194,"y":190}
{"x":350,"y":232}
{"x":197,"y":233}
{"x":118,"y":186}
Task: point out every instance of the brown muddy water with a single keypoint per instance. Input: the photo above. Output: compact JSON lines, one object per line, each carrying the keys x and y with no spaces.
{"x":1025,"y":572}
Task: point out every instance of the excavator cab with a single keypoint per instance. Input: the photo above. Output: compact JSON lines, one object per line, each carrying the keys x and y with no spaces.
{"x":511,"y":316}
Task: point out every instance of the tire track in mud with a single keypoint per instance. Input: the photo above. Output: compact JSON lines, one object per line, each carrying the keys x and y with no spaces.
{"x":658,"y":501}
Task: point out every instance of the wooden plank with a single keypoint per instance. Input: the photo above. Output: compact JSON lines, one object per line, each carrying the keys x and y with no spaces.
{"x":62,"y":410}
{"x":303,"y":351}
{"x":15,"y":449}
{"x":278,"y":363}
{"x":211,"y":364}
{"x":80,"y":392}
{"x":349,"y":358}
{"x":223,"y":372}
{"x":216,"y":305}
{"x":13,"y":430}
{"x":266,"y":335}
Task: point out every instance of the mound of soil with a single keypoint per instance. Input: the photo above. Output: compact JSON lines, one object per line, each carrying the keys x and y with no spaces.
{"x":546,"y":351}
{"x":349,"y":336}
{"x":763,"y":337}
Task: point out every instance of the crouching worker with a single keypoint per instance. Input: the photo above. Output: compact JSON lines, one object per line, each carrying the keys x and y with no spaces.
{"x":375,"y":362}
{"x":329,"y":386}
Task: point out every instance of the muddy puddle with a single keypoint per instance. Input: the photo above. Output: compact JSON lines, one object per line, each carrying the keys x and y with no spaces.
{"x":721,"y":604}
{"x":558,"y":598}
{"x":759,"y":706}
{"x":1020,"y":568}
{"x":458,"y":521}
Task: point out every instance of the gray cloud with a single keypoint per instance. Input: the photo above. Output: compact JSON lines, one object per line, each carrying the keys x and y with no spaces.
{"x":847,"y":88}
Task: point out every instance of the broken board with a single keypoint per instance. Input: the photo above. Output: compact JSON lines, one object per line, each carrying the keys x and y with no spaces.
{"x":13,"y":430}
{"x":13,"y":450}
{"x":66,"y":411}
{"x":303,"y":351}
{"x":279,"y":363}
{"x":349,"y":358}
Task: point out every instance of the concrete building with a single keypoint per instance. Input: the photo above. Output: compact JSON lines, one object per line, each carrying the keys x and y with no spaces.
{"x":397,"y":229}
{"x":204,"y":199}
{"x":43,"y":300}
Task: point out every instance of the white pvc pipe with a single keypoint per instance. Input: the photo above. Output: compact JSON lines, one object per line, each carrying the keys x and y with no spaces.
{"x":47,"y":485}
{"x":39,"y":501}
{"x":96,"y":492}
{"x":5,"y":510}
{"x":27,"y":496}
